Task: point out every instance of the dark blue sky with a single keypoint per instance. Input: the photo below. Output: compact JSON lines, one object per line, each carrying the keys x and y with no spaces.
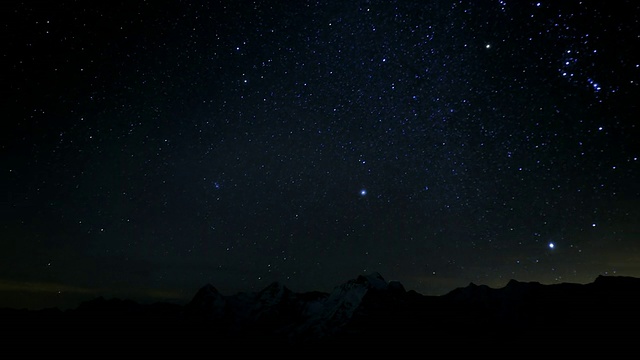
{"x":150,"y":148}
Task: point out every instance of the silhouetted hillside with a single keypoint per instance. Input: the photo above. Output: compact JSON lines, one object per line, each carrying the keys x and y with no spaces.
{"x":364,"y":316}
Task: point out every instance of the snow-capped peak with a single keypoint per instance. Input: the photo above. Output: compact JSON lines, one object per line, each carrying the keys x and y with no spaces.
{"x":373,"y":281}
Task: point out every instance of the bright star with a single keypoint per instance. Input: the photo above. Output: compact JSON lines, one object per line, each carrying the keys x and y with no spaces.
{"x":363,"y":192}
{"x":552,"y":245}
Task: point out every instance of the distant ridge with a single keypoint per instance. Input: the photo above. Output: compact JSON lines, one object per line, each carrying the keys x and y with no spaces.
{"x":360,"y":312}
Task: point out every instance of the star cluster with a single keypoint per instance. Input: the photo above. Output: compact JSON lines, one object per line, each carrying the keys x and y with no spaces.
{"x":150,"y":148}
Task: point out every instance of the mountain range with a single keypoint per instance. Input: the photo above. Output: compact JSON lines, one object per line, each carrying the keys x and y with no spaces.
{"x":363,"y":317}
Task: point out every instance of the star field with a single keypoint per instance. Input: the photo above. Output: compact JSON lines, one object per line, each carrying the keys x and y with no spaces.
{"x":150,"y":148}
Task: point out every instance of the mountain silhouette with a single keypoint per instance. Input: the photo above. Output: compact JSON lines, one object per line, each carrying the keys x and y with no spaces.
{"x":365,"y":316}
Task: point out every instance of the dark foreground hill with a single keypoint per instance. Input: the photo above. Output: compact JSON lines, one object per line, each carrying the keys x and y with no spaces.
{"x":366,"y":317}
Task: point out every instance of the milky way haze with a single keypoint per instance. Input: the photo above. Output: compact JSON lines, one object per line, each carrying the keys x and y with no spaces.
{"x":151,"y":147}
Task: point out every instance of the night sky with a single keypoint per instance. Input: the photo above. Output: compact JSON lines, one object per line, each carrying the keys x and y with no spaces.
{"x":152,"y":147}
